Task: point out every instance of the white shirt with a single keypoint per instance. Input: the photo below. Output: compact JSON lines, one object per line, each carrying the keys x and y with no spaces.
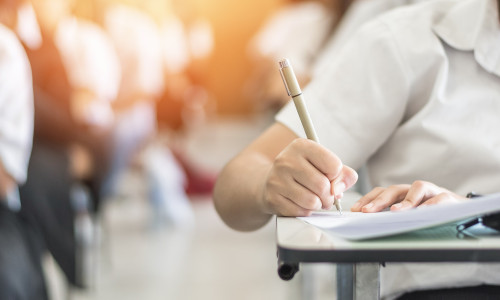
{"x":91,"y":63}
{"x":137,"y":40}
{"x":415,"y":94}
{"x":16,"y":106}
{"x":175,"y":44}
{"x":359,"y":12}
{"x":296,"y":32}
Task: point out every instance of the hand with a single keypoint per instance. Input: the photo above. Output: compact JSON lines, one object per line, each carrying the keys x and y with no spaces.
{"x":305,"y":177}
{"x":7,"y":183}
{"x":405,"y":196}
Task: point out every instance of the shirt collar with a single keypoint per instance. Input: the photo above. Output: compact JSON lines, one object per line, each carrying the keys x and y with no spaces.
{"x":473,"y":25}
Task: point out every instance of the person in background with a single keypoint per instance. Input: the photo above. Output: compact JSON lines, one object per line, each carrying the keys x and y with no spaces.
{"x":21,"y":274}
{"x":72,"y":112}
{"x":186,"y":103}
{"x":312,"y":22}
{"x":413,"y":94}
{"x":136,"y":38}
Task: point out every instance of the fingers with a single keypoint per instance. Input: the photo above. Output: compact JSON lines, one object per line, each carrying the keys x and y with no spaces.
{"x":386,"y":198}
{"x":321,"y":158}
{"x":284,"y":206}
{"x":404,"y":196}
{"x":444,"y":197}
{"x":316,"y":182}
{"x":304,"y":177}
{"x":374,"y":193}
{"x":419,"y":192}
{"x":313,"y":166}
{"x":380,"y":198}
{"x":303,"y":197}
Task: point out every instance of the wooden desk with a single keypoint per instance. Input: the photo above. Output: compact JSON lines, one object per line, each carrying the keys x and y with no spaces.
{"x":299,"y":242}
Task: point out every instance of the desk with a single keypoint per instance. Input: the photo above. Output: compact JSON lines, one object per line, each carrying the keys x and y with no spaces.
{"x":299,"y":242}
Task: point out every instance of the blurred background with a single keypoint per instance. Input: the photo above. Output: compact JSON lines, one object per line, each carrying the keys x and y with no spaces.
{"x":138,"y":105}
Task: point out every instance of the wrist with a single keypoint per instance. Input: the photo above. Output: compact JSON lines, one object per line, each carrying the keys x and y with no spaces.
{"x":261,"y":192}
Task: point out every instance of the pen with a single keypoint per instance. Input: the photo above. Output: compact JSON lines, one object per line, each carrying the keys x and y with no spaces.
{"x":293,"y":89}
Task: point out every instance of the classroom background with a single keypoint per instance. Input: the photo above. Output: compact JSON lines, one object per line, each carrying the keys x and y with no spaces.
{"x":174,"y":88}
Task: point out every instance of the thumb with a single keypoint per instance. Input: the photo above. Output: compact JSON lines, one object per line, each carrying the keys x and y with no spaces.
{"x":346,"y":179}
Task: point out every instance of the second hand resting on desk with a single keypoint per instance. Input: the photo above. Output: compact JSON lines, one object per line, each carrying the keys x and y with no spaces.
{"x":293,"y":89}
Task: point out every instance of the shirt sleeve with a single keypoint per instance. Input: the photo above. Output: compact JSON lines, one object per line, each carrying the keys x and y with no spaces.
{"x":16,"y":106}
{"x":359,"y":98}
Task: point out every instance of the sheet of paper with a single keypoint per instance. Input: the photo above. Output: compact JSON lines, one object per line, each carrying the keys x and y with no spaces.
{"x":357,"y":226}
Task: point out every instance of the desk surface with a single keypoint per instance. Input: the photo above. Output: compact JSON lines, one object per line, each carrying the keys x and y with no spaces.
{"x":299,"y":241}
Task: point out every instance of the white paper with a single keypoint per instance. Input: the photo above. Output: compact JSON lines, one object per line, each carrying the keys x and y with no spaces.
{"x":357,"y":226}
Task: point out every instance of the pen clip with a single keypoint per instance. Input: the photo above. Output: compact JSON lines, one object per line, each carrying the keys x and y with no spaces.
{"x":284,"y":82}
{"x":467,"y":224}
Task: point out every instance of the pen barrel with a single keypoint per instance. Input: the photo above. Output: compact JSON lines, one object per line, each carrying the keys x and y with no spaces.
{"x":293,"y":89}
{"x":305,"y":118}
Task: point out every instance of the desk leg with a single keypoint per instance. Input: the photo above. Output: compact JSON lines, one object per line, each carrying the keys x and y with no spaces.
{"x":358,"y":281}
{"x":345,"y":286}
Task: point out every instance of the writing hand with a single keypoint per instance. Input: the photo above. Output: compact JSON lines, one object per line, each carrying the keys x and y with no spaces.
{"x":405,"y":196}
{"x":305,"y":177}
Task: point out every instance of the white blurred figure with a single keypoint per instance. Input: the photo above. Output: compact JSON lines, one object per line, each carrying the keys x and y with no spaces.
{"x":93,"y":69}
{"x":27,"y":28}
{"x":188,"y":43}
{"x":175,"y":45}
{"x":167,"y":181}
{"x":21,"y":276}
{"x":138,"y":40}
{"x":201,"y":39}
{"x":297,"y":31}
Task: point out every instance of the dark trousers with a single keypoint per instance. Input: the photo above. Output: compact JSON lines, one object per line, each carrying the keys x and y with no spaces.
{"x":21,"y":274}
{"x":45,"y":204}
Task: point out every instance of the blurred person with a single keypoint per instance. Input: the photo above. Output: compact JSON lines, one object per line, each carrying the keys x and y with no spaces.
{"x":186,"y":103}
{"x":21,"y":274}
{"x":72,"y":113}
{"x":137,"y":39}
{"x":298,"y":30}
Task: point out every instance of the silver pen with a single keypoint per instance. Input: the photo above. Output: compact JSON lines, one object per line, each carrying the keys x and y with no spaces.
{"x":293,"y":89}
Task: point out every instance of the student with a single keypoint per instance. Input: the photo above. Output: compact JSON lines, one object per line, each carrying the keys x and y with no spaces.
{"x":21,"y":275}
{"x":414,"y":95}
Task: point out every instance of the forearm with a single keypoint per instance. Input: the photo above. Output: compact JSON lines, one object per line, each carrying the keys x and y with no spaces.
{"x":238,"y":192}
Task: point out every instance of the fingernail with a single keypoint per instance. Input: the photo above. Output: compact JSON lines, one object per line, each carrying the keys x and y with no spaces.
{"x":356,"y":207}
{"x":397,"y":205}
{"x":402,"y":205}
{"x":339,"y":188}
{"x":369,"y":205}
